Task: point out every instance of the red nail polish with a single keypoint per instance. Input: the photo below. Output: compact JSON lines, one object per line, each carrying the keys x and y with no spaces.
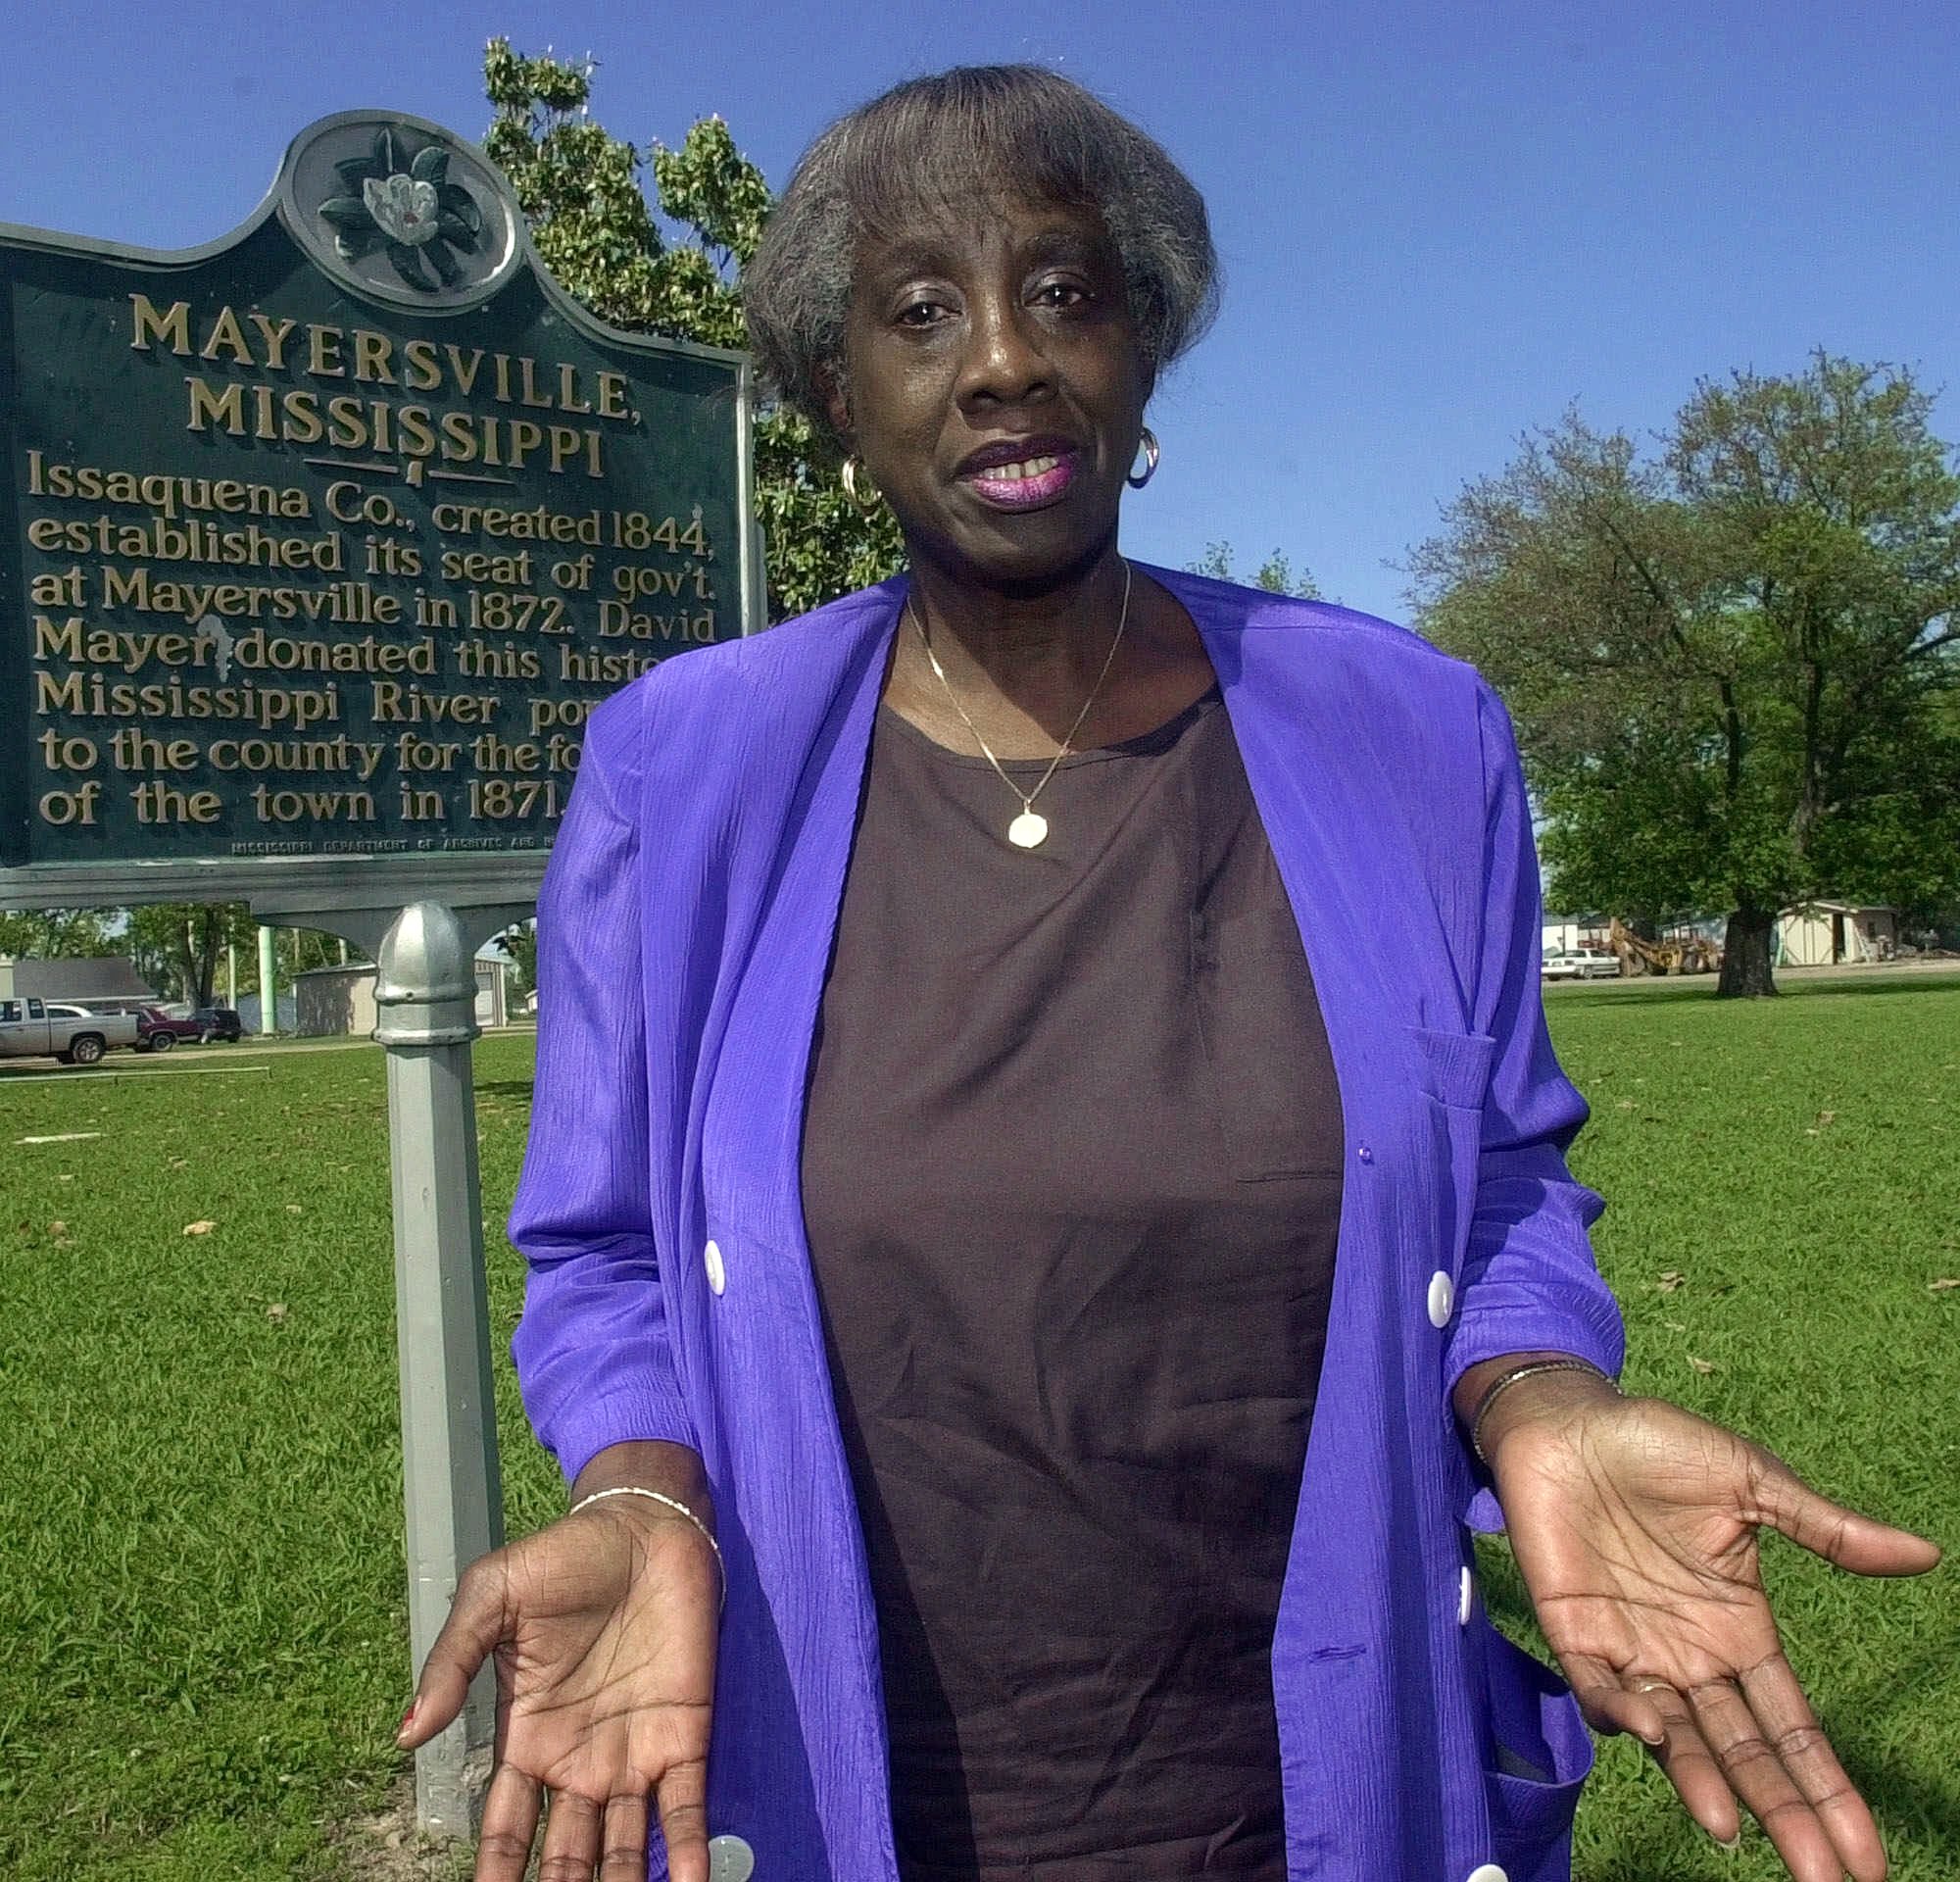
{"x":407,"y":1718}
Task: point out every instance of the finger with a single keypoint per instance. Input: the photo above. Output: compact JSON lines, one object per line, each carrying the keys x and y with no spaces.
{"x":1758,"y":1776}
{"x":1609,"y":1706}
{"x":1692,"y":1769}
{"x":1858,"y":1543}
{"x":573,"y":1829}
{"x":1793,"y":1734}
{"x":623,"y":1852}
{"x":682,"y":1796}
{"x":509,"y":1823}
{"x":473,"y":1630}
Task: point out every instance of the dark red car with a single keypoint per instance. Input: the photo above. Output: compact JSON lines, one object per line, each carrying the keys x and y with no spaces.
{"x":157,"y":1031}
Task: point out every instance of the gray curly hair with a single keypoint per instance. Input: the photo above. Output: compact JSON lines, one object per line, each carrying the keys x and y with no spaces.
{"x":922,"y":147}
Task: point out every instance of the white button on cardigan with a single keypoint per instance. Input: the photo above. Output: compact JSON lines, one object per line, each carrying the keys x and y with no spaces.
{"x":730,"y":1860}
{"x":1442,"y":1298}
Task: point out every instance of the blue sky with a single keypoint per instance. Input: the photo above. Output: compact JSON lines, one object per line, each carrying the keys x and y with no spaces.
{"x":1441,"y":224}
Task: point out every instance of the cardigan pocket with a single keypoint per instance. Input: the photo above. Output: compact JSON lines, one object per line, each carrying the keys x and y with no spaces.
{"x":1452,"y":1069}
{"x":1455,"y":1066}
{"x":1537,"y":1754}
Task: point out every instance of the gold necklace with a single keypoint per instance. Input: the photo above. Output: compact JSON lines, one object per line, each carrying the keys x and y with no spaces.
{"x":1029,"y":830}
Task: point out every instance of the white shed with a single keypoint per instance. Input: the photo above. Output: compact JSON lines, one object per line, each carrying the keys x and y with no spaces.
{"x":1822,"y":934}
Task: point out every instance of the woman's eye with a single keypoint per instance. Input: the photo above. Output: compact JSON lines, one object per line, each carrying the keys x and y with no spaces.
{"x":1061,"y":294}
{"x":921,"y":313}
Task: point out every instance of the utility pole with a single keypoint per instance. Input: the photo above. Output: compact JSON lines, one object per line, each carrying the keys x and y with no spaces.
{"x":268,"y":981}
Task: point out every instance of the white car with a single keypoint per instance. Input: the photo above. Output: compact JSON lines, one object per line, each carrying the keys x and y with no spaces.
{"x":1580,"y":964}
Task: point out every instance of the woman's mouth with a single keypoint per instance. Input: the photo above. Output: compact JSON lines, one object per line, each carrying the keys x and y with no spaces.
{"x":1025,"y":483}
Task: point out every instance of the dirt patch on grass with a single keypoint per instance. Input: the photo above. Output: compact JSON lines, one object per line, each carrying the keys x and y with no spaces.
{"x":385,"y":1846}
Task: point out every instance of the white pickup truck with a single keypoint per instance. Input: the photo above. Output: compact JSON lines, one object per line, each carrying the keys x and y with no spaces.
{"x":30,"y":1031}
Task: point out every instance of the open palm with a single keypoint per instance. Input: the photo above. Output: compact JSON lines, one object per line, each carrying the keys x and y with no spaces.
{"x":603,"y":1627}
{"x":1634,"y":1526}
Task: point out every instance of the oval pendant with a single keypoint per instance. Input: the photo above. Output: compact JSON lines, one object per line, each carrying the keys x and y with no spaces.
{"x":1028,"y":831}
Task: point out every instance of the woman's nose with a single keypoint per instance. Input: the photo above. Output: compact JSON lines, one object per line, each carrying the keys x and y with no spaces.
{"x":1004,"y":363}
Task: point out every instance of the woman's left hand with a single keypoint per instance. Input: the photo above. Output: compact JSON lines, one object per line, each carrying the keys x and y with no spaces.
{"x":1633,"y":1523}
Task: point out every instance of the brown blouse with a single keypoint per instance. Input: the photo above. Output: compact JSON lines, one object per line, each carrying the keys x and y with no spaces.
{"x":1071,"y":1178}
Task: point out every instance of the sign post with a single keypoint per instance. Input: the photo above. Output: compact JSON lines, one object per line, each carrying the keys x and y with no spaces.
{"x":425,"y":991}
{"x":318,"y":546}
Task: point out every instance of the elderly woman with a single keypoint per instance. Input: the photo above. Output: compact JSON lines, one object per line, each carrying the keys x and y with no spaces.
{"x":1047,"y":1153}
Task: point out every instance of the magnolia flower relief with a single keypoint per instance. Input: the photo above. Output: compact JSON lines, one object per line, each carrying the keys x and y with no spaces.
{"x":414,"y":213}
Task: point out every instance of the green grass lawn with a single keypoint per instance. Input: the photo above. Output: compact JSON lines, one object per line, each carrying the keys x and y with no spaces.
{"x":202,"y":1638}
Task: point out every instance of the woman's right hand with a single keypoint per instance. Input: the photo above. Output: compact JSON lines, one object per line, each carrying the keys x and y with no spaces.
{"x":604,"y":1630}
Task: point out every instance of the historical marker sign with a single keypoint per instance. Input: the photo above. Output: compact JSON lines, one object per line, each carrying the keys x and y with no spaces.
{"x":318,"y":545}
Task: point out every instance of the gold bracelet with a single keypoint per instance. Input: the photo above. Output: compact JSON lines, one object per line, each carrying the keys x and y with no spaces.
{"x":670,"y":1503}
{"x":1508,"y":1379}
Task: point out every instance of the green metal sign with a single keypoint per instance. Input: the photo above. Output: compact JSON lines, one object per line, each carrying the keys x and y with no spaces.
{"x":318,"y":545}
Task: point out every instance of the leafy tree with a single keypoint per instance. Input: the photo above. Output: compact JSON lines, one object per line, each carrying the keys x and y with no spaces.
{"x":1731,"y":661}
{"x":302,"y":949}
{"x":55,"y":934}
{"x":1276,"y":573}
{"x":178,"y":946}
{"x":580,"y":189}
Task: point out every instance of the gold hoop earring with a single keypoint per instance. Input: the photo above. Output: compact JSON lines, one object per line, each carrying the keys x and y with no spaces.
{"x":866,"y":501}
{"x":1151,"y":454}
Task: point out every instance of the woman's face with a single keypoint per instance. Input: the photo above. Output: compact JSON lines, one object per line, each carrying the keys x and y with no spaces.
{"x":994,"y":387}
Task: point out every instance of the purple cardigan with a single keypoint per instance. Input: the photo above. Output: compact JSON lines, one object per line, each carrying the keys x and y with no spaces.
{"x":685,"y":926}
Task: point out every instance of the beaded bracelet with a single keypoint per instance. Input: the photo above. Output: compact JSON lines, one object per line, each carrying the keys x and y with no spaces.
{"x":1505,"y":1381}
{"x":667,"y":1502}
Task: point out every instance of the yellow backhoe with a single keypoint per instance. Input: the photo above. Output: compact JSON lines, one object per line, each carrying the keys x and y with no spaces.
{"x":1687,"y":953}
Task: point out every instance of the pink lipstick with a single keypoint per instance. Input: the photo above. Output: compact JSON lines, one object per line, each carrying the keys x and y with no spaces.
{"x":1036,"y":474}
